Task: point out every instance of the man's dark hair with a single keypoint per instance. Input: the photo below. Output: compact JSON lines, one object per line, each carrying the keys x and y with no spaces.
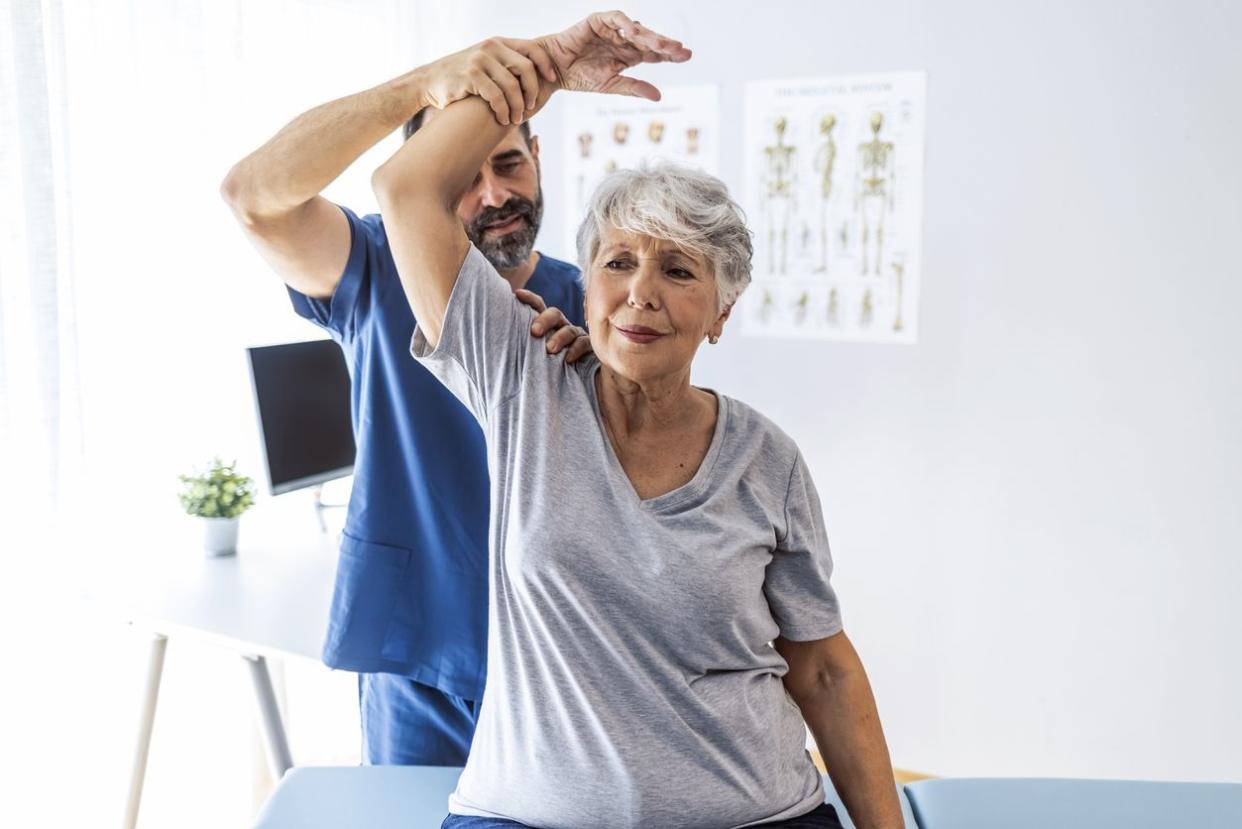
{"x":412,"y":125}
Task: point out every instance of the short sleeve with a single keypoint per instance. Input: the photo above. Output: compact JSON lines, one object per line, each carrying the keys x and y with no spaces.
{"x":484,"y":339}
{"x":339,"y":314}
{"x":797,"y":582}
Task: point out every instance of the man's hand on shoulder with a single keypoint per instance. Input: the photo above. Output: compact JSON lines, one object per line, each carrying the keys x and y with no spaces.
{"x":559,"y":335}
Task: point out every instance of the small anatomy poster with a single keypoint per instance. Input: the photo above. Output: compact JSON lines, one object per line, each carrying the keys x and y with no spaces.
{"x":604,"y":133}
{"x":833,"y":191}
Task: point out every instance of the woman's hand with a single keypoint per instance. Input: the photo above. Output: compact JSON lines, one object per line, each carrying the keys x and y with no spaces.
{"x":591,"y":55}
{"x":502,"y":71}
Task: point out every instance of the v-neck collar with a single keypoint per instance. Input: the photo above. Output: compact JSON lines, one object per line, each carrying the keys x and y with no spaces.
{"x":675,"y":497}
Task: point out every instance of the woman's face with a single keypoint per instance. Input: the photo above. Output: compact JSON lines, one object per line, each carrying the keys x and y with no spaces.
{"x":649,"y":305}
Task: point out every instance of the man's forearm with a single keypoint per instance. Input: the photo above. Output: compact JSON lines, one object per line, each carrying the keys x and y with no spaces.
{"x":317,"y":146}
{"x":846,"y":726}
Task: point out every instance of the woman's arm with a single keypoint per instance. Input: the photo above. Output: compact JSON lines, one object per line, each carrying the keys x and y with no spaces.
{"x":419,"y":187}
{"x":827,"y":681}
{"x":418,"y":190}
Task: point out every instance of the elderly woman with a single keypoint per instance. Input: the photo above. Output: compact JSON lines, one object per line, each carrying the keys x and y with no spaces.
{"x":661,"y":618}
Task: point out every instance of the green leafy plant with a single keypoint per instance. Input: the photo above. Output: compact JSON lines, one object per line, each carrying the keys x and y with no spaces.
{"x":217,"y":493}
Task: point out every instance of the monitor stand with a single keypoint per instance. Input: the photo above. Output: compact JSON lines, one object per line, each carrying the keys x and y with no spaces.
{"x":321,"y":508}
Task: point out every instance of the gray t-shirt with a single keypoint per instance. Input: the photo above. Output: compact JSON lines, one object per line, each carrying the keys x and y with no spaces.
{"x":631,"y":677}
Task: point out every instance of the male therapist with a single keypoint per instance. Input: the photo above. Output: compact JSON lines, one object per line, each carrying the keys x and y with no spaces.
{"x":409,"y":610}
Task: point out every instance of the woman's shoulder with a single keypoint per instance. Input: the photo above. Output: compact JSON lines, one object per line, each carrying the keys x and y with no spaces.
{"x":558,"y":377}
{"x":583,"y":369}
{"x":755,"y":434}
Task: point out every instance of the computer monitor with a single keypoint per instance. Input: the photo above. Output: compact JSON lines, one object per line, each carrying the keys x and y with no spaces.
{"x":301,"y":393}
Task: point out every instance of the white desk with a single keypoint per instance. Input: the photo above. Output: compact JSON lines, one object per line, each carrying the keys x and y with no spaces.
{"x":271,"y":600}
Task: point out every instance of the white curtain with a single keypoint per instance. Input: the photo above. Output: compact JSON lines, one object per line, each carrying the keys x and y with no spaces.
{"x":40,"y":392}
{"x":127,"y":297}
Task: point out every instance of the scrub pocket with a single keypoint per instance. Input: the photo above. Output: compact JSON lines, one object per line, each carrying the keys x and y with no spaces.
{"x":370,"y":580}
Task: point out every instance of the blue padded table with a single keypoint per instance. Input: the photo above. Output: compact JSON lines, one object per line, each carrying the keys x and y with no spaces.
{"x":389,"y":797}
{"x":987,"y":803}
{"x":377,"y":797}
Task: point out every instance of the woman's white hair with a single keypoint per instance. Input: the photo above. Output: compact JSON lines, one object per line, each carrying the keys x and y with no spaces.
{"x":684,"y":206}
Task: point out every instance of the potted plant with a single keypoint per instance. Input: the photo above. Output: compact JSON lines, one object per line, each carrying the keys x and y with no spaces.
{"x":218,"y":497}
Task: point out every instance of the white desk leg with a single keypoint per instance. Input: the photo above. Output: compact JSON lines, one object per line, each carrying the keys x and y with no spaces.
{"x":146,"y":723}
{"x":269,"y":715}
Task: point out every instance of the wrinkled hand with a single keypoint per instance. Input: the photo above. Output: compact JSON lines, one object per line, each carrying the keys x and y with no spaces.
{"x":503,"y":71}
{"x":591,"y":55}
{"x":557,"y":331}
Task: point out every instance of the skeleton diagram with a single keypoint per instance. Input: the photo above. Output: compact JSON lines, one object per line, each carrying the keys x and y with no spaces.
{"x":874,"y":193}
{"x":692,"y":141}
{"x":620,"y":132}
{"x":800,"y":308}
{"x":655,"y":131}
{"x":899,"y":269}
{"x":779,"y":189}
{"x":765,"y":310}
{"x":825,"y":158}
{"x":584,"y":151}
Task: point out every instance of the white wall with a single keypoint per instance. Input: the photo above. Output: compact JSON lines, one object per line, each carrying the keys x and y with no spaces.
{"x":1034,"y":510}
{"x":163,"y":98}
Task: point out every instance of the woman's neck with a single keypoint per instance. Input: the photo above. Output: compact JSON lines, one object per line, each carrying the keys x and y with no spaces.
{"x":667,"y":404}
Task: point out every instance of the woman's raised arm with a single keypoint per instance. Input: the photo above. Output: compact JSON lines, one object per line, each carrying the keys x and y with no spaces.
{"x":419,"y":187}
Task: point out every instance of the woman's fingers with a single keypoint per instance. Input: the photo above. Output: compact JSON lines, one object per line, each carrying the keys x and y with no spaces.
{"x":654,"y":46}
{"x":623,"y":85}
{"x":667,"y":47}
{"x":615,"y":27}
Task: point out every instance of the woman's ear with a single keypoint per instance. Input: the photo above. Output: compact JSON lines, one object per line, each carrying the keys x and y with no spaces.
{"x":718,"y":326}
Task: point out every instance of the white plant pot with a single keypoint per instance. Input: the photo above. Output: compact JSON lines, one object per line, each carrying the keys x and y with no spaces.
{"x":220,"y":536}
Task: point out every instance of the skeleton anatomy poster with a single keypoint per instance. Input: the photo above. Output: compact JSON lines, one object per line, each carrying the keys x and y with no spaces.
{"x":834,"y":194}
{"x":604,"y":133}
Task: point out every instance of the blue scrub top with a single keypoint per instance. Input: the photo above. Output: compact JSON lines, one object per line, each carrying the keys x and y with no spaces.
{"x":411,"y":584}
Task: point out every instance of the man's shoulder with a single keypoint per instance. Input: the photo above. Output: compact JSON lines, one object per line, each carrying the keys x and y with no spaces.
{"x":556,"y":269}
{"x":560,"y":285}
{"x":370,"y":223}
{"x":367,"y":233}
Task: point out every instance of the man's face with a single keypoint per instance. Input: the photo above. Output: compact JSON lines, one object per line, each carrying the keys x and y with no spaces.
{"x":502,"y":210}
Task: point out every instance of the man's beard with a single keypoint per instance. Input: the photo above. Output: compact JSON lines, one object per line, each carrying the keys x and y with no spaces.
{"x":512,"y":249}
